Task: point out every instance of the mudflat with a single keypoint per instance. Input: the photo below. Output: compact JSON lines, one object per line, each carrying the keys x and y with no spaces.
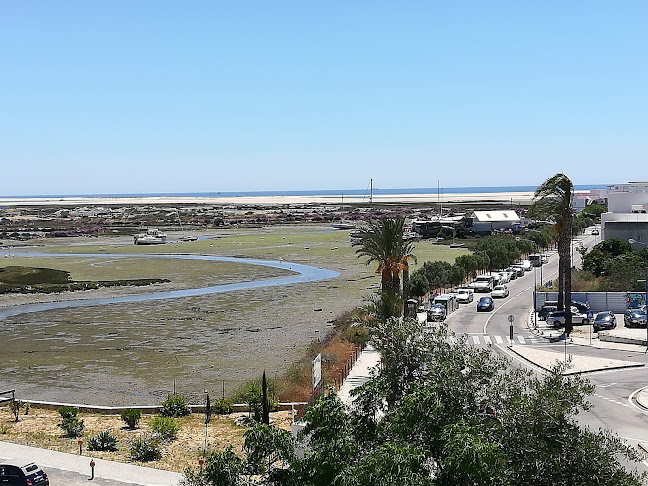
{"x":134,"y":353}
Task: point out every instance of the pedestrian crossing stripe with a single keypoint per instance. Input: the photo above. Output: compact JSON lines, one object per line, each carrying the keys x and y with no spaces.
{"x":476,"y":339}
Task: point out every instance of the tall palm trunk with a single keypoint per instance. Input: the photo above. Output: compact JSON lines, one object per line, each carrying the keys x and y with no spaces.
{"x":567,"y":278}
{"x":406,"y":280}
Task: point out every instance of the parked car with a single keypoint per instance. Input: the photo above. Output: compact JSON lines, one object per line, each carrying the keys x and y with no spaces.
{"x":557,"y":318}
{"x":505,"y":277}
{"x":545,"y":310}
{"x":582,"y":307}
{"x":512,"y":273}
{"x":634,"y":318}
{"x":485,"y":304}
{"x":519,"y":269}
{"x":465,"y":296}
{"x":22,"y":473}
{"x":595,"y":232}
{"x":500,"y":291}
{"x":604,"y":320}
{"x":436,"y":313}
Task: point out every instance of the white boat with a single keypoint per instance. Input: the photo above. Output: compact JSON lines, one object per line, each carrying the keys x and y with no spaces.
{"x":188,"y":238}
{"x":153,"y":236}
{"x":343,"y":224}
{"x":184,"y":237}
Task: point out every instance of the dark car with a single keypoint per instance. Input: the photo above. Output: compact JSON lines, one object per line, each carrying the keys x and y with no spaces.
{"x":485,"y":304}
{"x":22,"y":473}
{"x":634,"y":318}
{"x":582,"y":307}
{"x":604,"y":320}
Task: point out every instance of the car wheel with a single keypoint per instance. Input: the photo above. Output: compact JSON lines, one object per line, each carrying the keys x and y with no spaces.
{"x":585,"y":322}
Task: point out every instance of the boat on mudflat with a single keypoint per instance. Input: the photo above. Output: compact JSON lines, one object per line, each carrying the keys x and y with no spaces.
{"x":343,"y":224}
{"x":152,"y":236}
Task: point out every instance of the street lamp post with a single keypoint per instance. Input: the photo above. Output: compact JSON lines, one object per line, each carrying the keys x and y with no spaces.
{"x":632,"y":241}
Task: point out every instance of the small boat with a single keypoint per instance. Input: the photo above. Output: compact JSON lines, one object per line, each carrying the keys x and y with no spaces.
{"x":343,"y":225}
{"x":153,"y":236}
{"x":188,"y":238}
{"x":184,"y":237}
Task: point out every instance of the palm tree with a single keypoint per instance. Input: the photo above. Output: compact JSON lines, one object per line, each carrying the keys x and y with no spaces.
{"x":553,"y":199}
{"x":382,"y":241}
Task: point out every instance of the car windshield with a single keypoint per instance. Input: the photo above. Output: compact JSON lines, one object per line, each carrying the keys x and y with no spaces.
{"x":602,"y":316}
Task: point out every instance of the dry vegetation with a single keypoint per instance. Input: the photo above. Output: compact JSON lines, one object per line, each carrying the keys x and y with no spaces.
{"x":40,"y":429}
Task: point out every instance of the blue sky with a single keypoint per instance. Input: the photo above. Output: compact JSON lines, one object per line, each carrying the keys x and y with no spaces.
{"x":167,"y":96}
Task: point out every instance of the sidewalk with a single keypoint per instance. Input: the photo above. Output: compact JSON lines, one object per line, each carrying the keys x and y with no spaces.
{"x":118,"y":471}
{"x":360,"y":373}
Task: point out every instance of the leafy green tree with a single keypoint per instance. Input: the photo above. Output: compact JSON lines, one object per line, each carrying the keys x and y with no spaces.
{"x":437,"y":273}
{"x":222,"y":468}
{"x":471,"y":263}
{"x":268,"y":451}
{"x":419,"y":285}
{"x":442,"y":412}
{"x":594,"y":210}
{"x":600,"y":258}
{"x":553,"y":199}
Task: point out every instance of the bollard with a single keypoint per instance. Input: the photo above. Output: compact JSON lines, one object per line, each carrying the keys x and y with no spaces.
{"x":92,"y":465}
{"x":201,"y":461}
{"x":80,"y":442}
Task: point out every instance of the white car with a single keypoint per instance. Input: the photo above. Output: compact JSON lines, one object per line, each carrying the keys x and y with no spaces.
{"x":500,"y":291}
{"x":465,"y":296}
{"x":506,"y":277}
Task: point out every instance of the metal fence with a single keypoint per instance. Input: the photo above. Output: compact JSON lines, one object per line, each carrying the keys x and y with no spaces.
{"x":599,"y":301}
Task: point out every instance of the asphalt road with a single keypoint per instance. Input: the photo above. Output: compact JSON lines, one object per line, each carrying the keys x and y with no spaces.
{"x":613,"y":404}
{"x":60,"y":477}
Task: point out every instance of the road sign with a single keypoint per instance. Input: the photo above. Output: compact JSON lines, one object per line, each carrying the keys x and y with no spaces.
{"x":511,"y":318}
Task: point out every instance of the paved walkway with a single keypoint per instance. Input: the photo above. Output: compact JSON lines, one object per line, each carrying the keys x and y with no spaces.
{"x":360,"y":373}
{"x":127,"y":473}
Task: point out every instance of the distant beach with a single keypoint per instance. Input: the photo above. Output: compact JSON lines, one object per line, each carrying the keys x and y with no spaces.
{"x":518,"y":195}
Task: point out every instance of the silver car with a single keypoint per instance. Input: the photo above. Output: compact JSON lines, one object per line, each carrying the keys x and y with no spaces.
{"x":436,"y":313}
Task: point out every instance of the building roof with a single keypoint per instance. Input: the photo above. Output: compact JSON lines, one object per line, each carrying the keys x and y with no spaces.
{"x":491,"y":216}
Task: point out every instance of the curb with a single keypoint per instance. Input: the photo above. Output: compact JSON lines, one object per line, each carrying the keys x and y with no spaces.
{"x":594,"y":370}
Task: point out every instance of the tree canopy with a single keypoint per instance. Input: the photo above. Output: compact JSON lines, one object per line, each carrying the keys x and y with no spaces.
{"x":441,"y":412}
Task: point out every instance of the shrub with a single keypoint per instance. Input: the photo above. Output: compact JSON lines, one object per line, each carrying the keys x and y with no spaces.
{"x":68,"y":412}
{"x":223,"y":406}
{"x":145,"y":448}
{"x":175,"y":406}
{"x":70,"y":423}
{"x":252,"y":394}
{"x":131,"y":416}
{"x":73,"y":427}
{"x":103,"y":441}
{"x":166,"y":428}
{"x":27,"y":408}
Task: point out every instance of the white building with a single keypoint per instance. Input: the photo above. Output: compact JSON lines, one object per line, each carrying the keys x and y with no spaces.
{"x":626,"y":217}
{"x":485,"y":222}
